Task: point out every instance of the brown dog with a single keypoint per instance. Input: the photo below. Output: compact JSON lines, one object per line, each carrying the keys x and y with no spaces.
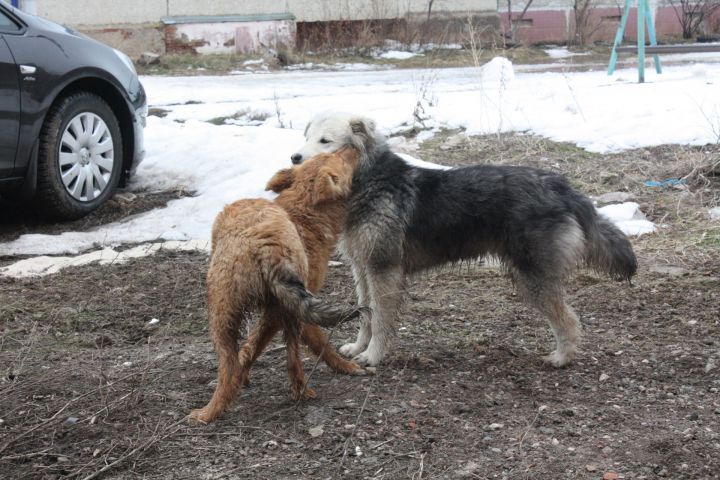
{"x":264,"y":255}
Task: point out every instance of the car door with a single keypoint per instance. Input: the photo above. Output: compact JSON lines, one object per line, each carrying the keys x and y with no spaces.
{"x":9,"y":99}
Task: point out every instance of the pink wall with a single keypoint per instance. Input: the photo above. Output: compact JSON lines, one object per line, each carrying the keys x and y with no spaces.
{"x":558,"y":26}
{"x":539,"y":26}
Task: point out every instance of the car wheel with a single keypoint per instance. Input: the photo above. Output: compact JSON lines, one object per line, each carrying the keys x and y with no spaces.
{"x":80,"y":156}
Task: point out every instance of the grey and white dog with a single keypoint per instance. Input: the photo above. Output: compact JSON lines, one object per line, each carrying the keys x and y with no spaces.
{"x":405,"y":219}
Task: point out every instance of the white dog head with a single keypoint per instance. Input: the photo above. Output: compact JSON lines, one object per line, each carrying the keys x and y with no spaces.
{"x":329,"y":131}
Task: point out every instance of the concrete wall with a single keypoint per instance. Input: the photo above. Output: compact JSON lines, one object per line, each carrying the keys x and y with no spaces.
{"x":114,"y":12}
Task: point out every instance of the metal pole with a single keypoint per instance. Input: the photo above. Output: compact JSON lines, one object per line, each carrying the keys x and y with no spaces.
{"x":651,"y":34}
{"x":619,"y":37}
{"x":641,"y":40}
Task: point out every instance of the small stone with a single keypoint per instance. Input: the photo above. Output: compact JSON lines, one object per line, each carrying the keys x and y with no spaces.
{"x":103,"y":341}
{"x":555,"y":441}
{"x":603,"y":377}
{"x":607,"y":450}
{"x":63,"y":459}
{"x":710,"y":365}
{"x":316,"y":431}
{"x":611,"y":476}
{"x":271,"y":444}
{"x":669,"y":270}
{"x":2,"y":422}
{"x":93,"y":420}
{"x":125,"y":197}
{"x":96,"y":452}
{"x":590,"y":467}
{"x":495,"y":426}
{"x":358,"y":452}
{"x":614,"y":197}
{"x":149,"y":58}
{"x":468,"y":470}
{"x":127,"y":364}
{"x":715,"y":213}
{"x":153,"y":321}
{"x":71,"y":420}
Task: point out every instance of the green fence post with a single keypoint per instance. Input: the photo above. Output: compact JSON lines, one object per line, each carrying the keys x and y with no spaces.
{"x":651,"y":34}
{"x":641,"y":40}
{"x":619,"y":37}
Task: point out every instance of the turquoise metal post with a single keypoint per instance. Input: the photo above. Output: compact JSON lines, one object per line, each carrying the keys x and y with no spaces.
{"x":619,"y":37}
{"x":641,"y":40}
{"x":651,"y":34}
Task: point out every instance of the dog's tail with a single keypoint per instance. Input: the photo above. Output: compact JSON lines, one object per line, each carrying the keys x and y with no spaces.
{"x":289,"y":290}
{"x":608,"y":249}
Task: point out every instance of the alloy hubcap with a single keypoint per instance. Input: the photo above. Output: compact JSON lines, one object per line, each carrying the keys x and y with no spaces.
{"x":86,"y":157}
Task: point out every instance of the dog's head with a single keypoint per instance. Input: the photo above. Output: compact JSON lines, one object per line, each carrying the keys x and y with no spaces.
{"x":329,"y":131}
{"x":323,"y":178}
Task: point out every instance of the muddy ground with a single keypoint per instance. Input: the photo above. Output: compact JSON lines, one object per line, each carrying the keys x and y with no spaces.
{"x":90,"y":387}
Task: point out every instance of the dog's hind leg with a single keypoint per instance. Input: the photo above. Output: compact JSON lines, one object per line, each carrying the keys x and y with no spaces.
{"x":386,"y":294}
{"x":548,"y":297}
{"x":365,"y":331}
{"x":224,"y":326}
{"x":314,"y":337}
{"x":263,"y":332}
{"x":296,"y":374}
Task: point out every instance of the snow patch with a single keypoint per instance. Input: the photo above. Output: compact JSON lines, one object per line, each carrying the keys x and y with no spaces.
{"x":628,"y":218}
{"x":398,"y":55}
{"x":499,"y":69}
{"x":559,"y":53}
{"x":44,"y":265}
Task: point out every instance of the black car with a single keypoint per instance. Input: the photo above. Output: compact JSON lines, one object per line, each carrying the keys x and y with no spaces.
{"x":72,"y":113}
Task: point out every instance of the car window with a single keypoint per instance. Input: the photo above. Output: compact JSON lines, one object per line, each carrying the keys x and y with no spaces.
{"x":7,"y":25}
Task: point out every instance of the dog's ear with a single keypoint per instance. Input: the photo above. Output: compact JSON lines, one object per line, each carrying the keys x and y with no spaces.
{"x":281,"y":180}
{"x":332,"y":183}
{"x":362,"y":126}
{"x":348,"y":154}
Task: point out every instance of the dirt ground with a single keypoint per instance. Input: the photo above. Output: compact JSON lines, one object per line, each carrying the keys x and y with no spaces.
{"x":91,"y":389}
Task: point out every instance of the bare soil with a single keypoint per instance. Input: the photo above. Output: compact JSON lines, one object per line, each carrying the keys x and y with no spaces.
{"x":89,"y":386}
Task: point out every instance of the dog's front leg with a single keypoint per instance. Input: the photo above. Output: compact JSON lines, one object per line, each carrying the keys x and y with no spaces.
{"x":386,"y":293}
{"x":365,"y":332}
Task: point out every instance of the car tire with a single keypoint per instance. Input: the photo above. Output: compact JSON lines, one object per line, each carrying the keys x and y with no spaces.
{"x":80,"y":157}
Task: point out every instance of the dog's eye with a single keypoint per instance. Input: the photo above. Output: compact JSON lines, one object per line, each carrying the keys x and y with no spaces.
{"x":324,"y":140}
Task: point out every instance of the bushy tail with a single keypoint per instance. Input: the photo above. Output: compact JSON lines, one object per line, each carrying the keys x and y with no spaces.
{"x":609,"y":250}
{"x":290,"y":291}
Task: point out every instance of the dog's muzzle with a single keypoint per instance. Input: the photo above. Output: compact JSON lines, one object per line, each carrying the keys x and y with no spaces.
{"x":296,"y":158}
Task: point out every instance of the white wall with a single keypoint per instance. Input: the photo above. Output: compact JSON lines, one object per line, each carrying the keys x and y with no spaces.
{"x":114,"y":12}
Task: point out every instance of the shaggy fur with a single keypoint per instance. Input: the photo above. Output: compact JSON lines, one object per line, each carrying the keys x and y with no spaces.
{"x":264,"y":254}
{"x":405,"y":219}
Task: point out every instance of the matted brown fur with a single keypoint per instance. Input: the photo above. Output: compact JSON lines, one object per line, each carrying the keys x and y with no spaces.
{"x":254,"y":243}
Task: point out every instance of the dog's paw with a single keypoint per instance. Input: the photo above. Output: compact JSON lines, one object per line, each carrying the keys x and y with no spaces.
{"x":200,"y":416}
{"x":368,"y":358}
{"x":304,"y":395}
{"x":363,"y":372}
{"x":558,"y":359}
{"x":350,"y":349}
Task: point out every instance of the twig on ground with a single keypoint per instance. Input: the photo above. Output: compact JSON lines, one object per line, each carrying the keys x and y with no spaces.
{"x":357,"y":421}
{"x":532,"y":424}
{"x":70,"y":402}
{"x":155,"y":438}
